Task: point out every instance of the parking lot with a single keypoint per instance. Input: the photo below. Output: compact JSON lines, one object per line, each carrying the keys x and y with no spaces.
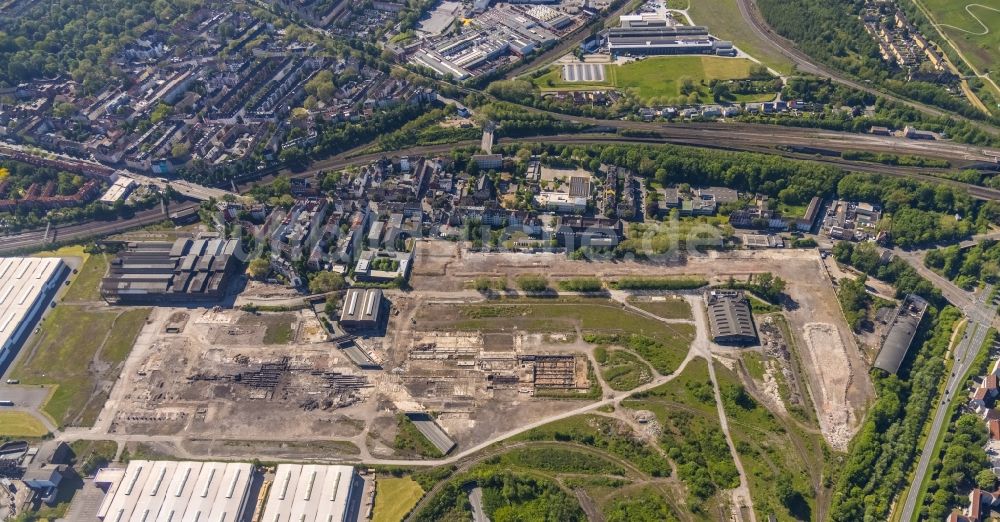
{"x":583,"y":72}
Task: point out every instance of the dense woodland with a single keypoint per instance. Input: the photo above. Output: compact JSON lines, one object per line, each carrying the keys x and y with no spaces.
{"x":79,"y":37}
{"x":887,"y":444}
{"x":833,"y":33}
{"x":970,"y":267}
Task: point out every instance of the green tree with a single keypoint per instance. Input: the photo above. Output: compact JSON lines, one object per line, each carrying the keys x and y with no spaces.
{"x":326,"y":281}
{"x":259,"y":268}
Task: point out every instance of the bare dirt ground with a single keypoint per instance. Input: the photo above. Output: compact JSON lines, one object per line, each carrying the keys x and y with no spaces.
{"x":198,"y":381}
{"x":839,"y":381}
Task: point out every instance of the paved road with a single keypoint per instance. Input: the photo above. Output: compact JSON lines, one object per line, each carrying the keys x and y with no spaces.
{"x":965,"y":354}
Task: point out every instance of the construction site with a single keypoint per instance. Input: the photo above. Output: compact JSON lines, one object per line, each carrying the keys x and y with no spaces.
{"x":232,"y":382}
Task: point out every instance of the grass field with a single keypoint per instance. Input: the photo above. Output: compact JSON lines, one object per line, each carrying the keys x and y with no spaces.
{"x":658,"y":79}
{"x":974,"y":26}
{"x":395,"y":497}
{"x":86,"y":286}
{"x":16,"y":424}
{"x":86,"y":283}
{"x":724,"y":21}
{"x":775,"y":455}
{"x":75,"y":349}
{"x":602,"y":322}
{"x":622,"y":370}
{"x":670,"y":307}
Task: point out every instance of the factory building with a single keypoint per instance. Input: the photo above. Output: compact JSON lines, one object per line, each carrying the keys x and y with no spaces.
{"x":904,"y":328}
{"x":26,"y":285}
{"x":730,"y":318}
{"x":362,"y":308}
{"x":645,"y":38}
{"x":176,"y":491}
{"x":311,"y":493}
{"x":185,"y":270}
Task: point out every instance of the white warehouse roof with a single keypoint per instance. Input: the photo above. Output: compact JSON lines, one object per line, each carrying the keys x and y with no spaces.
{"x":172,"y":491}
{"x":310,"y":492}
{"x":23,"y":282}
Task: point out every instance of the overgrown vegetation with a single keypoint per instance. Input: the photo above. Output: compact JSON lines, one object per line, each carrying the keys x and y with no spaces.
{"x":581,"y":284}
{"x":506,"y":496}
{"x":409,"y":439}
{"x":897,"y":272}
{"x":532,"y":283}
{"x":606,"y":434}
{"x":685,"y":407}
{"x":854,"y":301}
{"x":621,"y":369}
{"x":887,"y":443}
{"x":969,"y":267}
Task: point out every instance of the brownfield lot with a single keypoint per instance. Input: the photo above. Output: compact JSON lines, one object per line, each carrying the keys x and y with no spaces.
{"x":837,"y":372}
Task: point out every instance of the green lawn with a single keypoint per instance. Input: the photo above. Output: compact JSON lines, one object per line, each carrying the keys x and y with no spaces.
{"x":69,"y":340}
{"x":15,"y":424}
{"x":723,"y":19}
{"x":395,"y":497}
{"x":976,"y":33}
{"x":658,"y":79}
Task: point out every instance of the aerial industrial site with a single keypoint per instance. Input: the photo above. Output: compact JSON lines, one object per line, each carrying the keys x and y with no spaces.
{"x":525,"y":260}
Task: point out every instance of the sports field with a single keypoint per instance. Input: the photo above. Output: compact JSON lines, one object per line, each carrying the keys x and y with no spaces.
{"x":659,"y":79}
{"x":973,"y":26}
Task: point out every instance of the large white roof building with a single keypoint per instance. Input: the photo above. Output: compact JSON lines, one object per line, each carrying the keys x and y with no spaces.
{"x":311,"y":493}
{"x":25,"y":285}
{"x":169,"y":491}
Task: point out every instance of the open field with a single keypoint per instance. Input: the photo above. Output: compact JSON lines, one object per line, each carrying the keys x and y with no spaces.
{"x":973,"y":26}
{"x":659,"y":78}
{"x":784,"y":461}
{"x":723,"y":19}
{"x":667,"y":307}
{"x":599,"y":320}
{"x":79,"y":352}
{"x":395,"y":497}
{"x":86,"y":286}
{"x":16,"y":424}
